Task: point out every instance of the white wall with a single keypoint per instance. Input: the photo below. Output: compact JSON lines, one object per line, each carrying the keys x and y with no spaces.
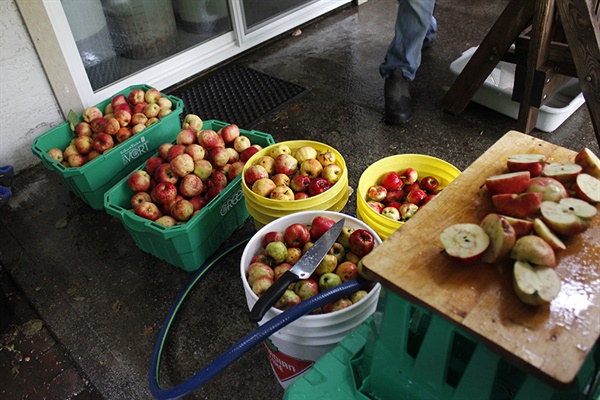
{"x":27,"y":105}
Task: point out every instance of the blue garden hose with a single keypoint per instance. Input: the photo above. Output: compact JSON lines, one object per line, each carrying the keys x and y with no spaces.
{"x":246,"y":343}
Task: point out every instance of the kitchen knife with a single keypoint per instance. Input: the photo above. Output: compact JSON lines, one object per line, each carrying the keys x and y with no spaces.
{"x":303,"y":269}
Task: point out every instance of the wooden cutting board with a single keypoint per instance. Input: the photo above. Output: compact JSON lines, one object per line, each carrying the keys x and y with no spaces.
{"x":549,"y":341}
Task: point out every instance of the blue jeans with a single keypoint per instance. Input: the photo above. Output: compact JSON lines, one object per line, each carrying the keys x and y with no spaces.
{"x":414,"y":23}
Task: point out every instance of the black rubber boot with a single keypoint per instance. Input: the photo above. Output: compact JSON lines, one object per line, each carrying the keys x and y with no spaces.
{"x":398,"y":103}
{"x":7,"y":173}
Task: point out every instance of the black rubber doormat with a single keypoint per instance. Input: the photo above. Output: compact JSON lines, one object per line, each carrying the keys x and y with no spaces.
{"x":238,"y":95}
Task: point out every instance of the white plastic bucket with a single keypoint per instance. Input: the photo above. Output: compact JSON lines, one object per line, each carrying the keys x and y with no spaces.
{"x":295,"y":348}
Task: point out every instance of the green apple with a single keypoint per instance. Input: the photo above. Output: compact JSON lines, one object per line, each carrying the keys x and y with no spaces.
{"x":329,"y":280}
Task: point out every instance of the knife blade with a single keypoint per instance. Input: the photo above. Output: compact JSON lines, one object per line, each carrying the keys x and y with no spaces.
{"x":301,"y":270}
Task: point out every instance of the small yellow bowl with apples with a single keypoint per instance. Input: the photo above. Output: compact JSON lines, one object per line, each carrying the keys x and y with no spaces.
{"x":387,"y":185}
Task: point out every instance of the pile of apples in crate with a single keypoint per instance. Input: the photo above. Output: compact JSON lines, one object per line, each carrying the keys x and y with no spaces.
{"x":539,"y":205}
{"x":186,"y":175}
{"x":283,"y":175}
{"x":281,"y":250}
{"x":399,"y":195}
{"x":101,"y":130}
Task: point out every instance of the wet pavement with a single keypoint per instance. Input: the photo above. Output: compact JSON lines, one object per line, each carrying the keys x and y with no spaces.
{"x":90,"y":304}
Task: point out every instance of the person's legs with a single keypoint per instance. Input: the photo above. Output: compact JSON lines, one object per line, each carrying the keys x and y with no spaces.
{"x":414,"y":24}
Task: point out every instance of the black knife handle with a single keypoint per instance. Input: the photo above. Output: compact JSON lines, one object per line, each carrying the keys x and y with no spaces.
{"x":271,"y":295}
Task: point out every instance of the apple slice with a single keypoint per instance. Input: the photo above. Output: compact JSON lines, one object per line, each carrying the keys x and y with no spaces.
{"x":522,"y":226}
{"x":466,"y":242}
{"x":513,"y":182}
{"x":569,"y":216}
{"x":565,"y":173}
{"x":517,"y":205}
{"x":590,"y":163}
{"x":542,"y":230}
{"x":551,"y":188}
{"x":534,"y":163}
{"x":502,"y":237}
{"x":587,"y":188}
{"x":535,"y":285}
{"x":534,"y":250}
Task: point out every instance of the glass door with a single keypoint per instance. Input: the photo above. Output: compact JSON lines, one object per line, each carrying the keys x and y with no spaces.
{"x":106,"y":46}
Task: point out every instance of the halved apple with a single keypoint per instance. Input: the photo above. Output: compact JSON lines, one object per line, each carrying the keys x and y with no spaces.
{"x":587,"y":188}
{"x":589,"y":162}
{"x":542,"y":230}
{"x":534,"y":163}
{"x":502,"y":237}
{"x":522,"y":226}
{"x":512,"y":182}
{"x":534,"y":250}
{"x":517,"y":205}
{"x":551,"y":189}
{"x":466,"y":243}
{"x":569,"y":216}
{"x":565,"y":173}
{"x":535,"y":285}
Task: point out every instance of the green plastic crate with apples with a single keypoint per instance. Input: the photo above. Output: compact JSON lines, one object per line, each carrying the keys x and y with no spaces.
{"x":90,"y":181}
{"x":189,"y":244}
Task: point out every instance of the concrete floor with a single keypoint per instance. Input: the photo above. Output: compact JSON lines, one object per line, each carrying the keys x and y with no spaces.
{"x":103,"y":301}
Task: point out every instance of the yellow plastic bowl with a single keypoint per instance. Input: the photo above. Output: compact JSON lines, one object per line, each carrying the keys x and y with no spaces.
{"x":425,"y":165}
{"x":265,"y":210}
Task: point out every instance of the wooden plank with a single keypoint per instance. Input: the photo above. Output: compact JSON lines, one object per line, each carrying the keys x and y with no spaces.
{"x":549,"y":341}
{"x":581,"y":26}
{"x":515,"y":17}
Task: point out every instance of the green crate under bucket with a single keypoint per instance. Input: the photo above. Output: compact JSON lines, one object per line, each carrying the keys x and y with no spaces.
{"x":90,"y":181}
{"x":186,"y":245}
{"x":404,"y":352}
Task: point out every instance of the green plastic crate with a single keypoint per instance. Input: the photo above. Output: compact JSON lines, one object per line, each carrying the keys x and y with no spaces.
{"x":406,"y":352}
{"x":90,"y":181}
{"x":186,"y":245}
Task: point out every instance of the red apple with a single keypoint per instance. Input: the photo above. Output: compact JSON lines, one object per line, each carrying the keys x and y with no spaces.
{"x":408,"y":210}
{"x":502,"y":237}
{"x":587,"y":188}
{"x":152,"y":95}
{"x":543,"y":231}
{"x":409,"y":175}
{"x":395,"y":196}
{"x":118,"y":99}
{"x":569,"y":216}
{"x":513,"y":182}
{"x":534,"y":163}
{"x":91,"y":113}
{"x":217,"y":178}
{"x":534,"y":284}
{"x":203,"y":168}
{"x":254,"y":173}
{"x":213,"y":192}
{"x":300,"y":183}
{"x":318,"y":186}
{"x":166,"y":220}
{"x":123,"y":116}
{"x":83,"y":129}
{"x":191,"y":185}
{"x":534,"y":250}
{"x":590,"y":163}
{"x":521,"y":226}
{"x":296,"y":235}
{"x":326,"y":157}
{"x":246,"y":154}
{"x":416,"y":196}
{"x":286,"y":164}
{"x":208,"y":138}
{"x":163,"y":150}
{"x":76,"y":160}
{"x":152,"y":164}
{"x":83,"y":144}
{"x":429,"y":184}
{"x":517,"y":205}
{"x":219,"y":156}
{"x":103,"y":142}
{"x":111,"y":126}
{"x":182,"y":210}
{"x":361,"y":242}
{"x":377,"y":193}
{"x":409,"y":187}
{"x":56,"y":154}
{"x":376,"y":206}
{"x":306,"y":288}
{"x":235,"y":169}
{"x":139,"y":198}
{"x":123,"y":134}
{"x":391,"y":212}
{"x":198,"y":202}
{"x":466,"y":243}
{"x":139,"y":181}
{"x":164,"y":173}
{"x":164,"y":192}
{"x":230,"y":133}
{"x":320,"y":225}
{"x":257,"y":270}
{"x":565,"y":173}
{"x":551,"y":189}
{"x":98,"y":124}
{"x":311,"y":168}
{"x":182,"y":165}
{"x":347,"y":271}
{"x":174,"y":151}
{"x":148,"y":210}
{"x":392,"y":181}
{"x":135,"y":96}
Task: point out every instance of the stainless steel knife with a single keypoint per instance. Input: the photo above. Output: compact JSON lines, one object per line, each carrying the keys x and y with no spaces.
{"x":303,"y":269}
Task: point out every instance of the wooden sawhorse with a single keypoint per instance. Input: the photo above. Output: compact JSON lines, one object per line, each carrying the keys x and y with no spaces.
{"x":542,"y":62}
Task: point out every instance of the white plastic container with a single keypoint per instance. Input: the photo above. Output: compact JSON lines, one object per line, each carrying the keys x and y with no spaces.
{"x":496,"y":93}
{"x":295,"y":348}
